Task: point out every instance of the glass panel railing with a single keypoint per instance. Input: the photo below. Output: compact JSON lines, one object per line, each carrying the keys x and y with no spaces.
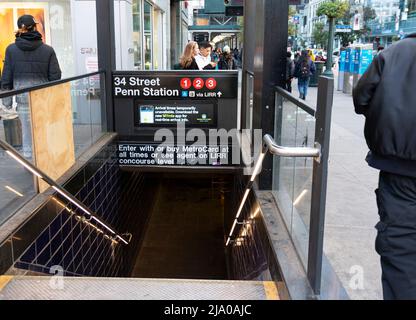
{"x":292,"y":179}
{"x":51,"y":126}
{"x":16,"y":183}
{"x":16,"y":186}
{"x":15,"y":125}
{"x":284,"y":167}
{"x":249,"y":78}
{"x":302,"y":184}
{"x":86,"y":112}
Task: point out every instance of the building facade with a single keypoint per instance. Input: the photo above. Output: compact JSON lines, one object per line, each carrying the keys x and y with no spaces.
{"x":395,"y":19}
{"x":210,"y":23}
{"x":142,"y":27}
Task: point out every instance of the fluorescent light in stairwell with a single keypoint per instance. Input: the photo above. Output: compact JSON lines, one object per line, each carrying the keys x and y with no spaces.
{"x":87,"y":222}
{"x":103,"y":224}
{"x":23,"y":164}
{"x":255,"y":214}
{"x":296,"y":202}
{"x":124,"y":241}
{"x":243,"y":201}
{"x":69,"y":199}
{"x":257,"y":167}
{"x":62,"y":205}
{"x":232,"y":228}
{"x":14,"y":191}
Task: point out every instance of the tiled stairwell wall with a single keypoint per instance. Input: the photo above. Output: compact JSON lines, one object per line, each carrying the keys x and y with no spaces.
{"x":58,"y":236}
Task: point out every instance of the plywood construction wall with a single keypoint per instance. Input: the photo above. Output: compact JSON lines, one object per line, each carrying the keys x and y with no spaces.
{"x":53,"y":139}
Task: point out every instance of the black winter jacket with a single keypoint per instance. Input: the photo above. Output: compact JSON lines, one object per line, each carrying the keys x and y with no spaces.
{"x":290,"y":69}
{"x":227,"y":62}
{"x":386,"y":96}
{"x":28,"y":62}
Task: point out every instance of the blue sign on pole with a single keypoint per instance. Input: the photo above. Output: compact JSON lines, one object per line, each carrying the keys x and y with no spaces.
{"x":342,"y":58}
{"x":366,"y":59}
{"x":352,"y":60}
{"x":357,"y":58}
{"x":347,"y":60}
{"x":296,"y":19}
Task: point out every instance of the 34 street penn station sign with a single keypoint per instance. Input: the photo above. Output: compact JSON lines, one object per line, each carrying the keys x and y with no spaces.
{"x":179,"y":85}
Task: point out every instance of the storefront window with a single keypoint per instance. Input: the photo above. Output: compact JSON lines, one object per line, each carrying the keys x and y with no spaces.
{"x":158,"y":39}
{"x":137,"y":33}
{"x":148,"y":30}
{"x":62,"y":24}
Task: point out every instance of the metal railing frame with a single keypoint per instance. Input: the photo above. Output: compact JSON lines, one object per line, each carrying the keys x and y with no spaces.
{"x":320,"y":153}
{"x":11,"y":93}
{"x":14,"y":154}
{"x":322,"y":116}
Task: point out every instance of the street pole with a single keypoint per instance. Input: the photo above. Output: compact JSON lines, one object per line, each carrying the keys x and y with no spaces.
{"x":296,"y":38}
{"x":328,"y":69}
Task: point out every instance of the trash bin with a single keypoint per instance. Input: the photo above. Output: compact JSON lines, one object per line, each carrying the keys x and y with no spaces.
{"x":319,"y":65}
{"x":13,"y":131}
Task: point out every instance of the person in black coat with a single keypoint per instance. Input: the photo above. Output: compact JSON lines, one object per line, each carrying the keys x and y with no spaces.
{"x":304,"y":69}
{"x":227,"y":61}
{"x":385,"y":95}
{"x":290,"y":71}
{"x":28,"y":62}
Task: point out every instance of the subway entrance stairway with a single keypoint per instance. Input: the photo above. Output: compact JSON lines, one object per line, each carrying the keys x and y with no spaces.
{"x":178,"y":224}
{"x":185,"y":233}
{"x":123,"y":220}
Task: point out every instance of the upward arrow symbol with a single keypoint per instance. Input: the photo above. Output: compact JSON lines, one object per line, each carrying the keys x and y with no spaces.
{"x":219,"y":94}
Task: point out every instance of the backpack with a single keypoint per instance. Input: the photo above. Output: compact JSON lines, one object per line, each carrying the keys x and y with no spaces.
{"x":304,"y":71}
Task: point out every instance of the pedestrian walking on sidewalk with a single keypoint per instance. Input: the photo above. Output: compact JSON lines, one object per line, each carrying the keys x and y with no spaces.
{"x":290,"y":70}
{"x":28,"y":62}
{"x":304,"y":69}
{"x":386,"y":96}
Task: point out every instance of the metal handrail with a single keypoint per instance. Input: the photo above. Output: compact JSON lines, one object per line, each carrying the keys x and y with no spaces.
{"x":68,"y":196}
{"x":11,"y":93}
{"x":251,"y":73}
{"x":298,"y":102}
{"x":269,"y":145}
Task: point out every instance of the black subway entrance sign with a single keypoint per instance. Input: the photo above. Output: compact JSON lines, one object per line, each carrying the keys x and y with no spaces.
{"x":147,"y":103}
{"x":189,"y":86}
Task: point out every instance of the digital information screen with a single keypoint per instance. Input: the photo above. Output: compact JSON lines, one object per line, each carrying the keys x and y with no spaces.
{"x":161,"y":114}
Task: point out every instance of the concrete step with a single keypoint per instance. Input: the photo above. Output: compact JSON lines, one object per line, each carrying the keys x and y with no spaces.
{"x":84,"y":288}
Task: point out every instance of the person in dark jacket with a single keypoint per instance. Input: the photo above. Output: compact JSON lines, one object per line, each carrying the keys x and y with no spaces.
{"x":385,"y":95}
{"x":28,"y":62}
{"x":227,"y":61}
{"x":304,"y":69}
{"x":290,"y":71}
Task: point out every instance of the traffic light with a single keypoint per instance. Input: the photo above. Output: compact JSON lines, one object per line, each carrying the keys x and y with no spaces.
{"x":234,"y":8}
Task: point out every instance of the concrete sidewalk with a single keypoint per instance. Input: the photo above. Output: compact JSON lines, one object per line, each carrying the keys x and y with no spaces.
{"x":351,"y":210}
